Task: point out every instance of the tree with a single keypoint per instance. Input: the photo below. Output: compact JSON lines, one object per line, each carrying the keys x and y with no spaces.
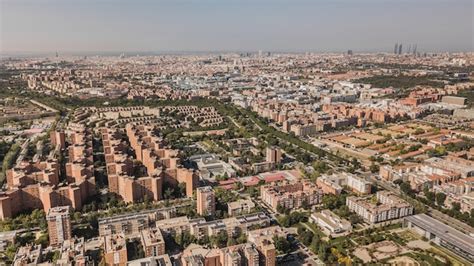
{"x":10,"y":251}
{"x":315,"y":243}
{"x":320,"y":166}
{"x":374,"y":168}
{"x":242,"y":239}
{"x":282,"y":244}
{"x":430,"y":196}
{"x":306,"y":237}
{"x":440,"y":198}
{"x":184,"y":239}
{"x":231,"y":242}
{"x":43,"y":240}
{"x":456,"y":206}
{"x":323,"y":252}
{"x":305,"y":205}
{"x":25,"y":238}
{"x":330,"y":201}
{"x":282,"y":209}
{"x":406,"y":188}
{"x":219,"y":240}
{"x":204,"y":241}
{"x":355,"y":219}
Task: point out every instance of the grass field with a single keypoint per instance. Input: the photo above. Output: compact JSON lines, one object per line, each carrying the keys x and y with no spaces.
{"x":408,"y":235}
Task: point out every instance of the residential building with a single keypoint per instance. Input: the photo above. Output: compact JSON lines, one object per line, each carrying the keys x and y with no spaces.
{"x":240,"y":206}
{"x":291,"y":195}
{"x":127,"y":224}
{"x":359,"y":184}
{"x":390,"y":207}
{"x":152,"y":242}
{"x":59,"y":225}
{"x":115,"y":250}
{"x":273,"y":155}
{"x":206,"y":201}
{"x":163,"y":260}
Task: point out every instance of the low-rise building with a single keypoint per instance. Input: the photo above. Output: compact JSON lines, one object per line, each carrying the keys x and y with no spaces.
{"x":330,"y":222}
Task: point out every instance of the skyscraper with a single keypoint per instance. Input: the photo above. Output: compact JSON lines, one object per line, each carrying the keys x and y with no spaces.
{"x":395,"y":50}
{"x":400,"y":49}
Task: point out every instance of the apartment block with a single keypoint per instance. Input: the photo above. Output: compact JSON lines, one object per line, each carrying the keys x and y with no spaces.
{"x":59,"y":225}
{"x":115,"y":250}
{"x":390,"y":207}
{"x":263,"y":240}
{"x":358,"y":184}
{"x":206,"y":201}
{"x":239,"y":207}
{"x":127,"y":224}
{"x":273,"y":155}
{"x":291,"y":195}
{"x":152,"y":242}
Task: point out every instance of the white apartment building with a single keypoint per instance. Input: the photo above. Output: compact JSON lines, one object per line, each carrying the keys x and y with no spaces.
{"x":391,"y":207}
{"x":358,"y":184}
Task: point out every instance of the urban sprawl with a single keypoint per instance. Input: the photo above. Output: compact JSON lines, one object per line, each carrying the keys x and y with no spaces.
{"x":237,"y":159}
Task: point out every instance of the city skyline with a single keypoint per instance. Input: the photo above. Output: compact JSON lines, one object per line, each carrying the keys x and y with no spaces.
{"x":47,"y":26}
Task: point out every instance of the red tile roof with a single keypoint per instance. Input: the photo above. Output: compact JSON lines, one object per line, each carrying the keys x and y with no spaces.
{"x":274,"y":178}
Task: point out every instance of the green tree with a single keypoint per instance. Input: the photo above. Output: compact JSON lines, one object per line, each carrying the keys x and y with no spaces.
{"x":323,"y":251}
{"x":219,"y":240}
{"x":315,"y":242}
{"x":440,"y":198}
{"x":406,"y":188}
{"x":306,"y":237}
{"x":282,"y":245}
{"x":374,"y":168}
{"x":430,"y":196}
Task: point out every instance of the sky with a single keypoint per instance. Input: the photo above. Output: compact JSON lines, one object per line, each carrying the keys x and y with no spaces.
{"x":232,"y":25}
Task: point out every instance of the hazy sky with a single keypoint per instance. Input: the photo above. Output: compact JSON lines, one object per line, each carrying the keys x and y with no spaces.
{"x":231,"y":25}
